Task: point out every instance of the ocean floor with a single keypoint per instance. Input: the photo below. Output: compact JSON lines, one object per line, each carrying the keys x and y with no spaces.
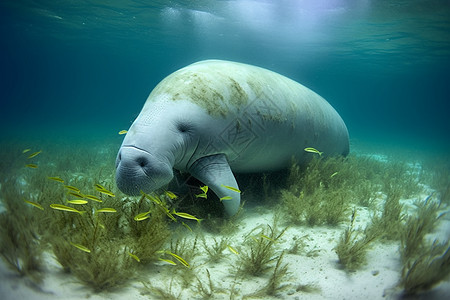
{"x":318,"y":273}
{"x":312,"y":269}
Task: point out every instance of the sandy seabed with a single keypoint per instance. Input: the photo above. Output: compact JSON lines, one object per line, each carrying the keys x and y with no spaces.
{"x":316,"y":266}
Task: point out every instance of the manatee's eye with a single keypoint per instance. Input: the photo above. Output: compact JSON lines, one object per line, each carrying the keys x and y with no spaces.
{"x":183,"y":127}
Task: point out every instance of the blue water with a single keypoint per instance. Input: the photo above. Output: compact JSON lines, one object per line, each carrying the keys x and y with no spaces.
{"x":84,"y":68}
{"x":73,"y":73}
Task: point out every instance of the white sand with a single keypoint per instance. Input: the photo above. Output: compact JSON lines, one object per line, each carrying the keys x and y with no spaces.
{"x":375,"y":280}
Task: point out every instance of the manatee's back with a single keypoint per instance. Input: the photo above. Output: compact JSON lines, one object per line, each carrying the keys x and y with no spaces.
{"x":267,"y":117}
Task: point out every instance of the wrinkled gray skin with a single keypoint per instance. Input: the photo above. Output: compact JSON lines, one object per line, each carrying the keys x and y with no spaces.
{"x":213,"y":118}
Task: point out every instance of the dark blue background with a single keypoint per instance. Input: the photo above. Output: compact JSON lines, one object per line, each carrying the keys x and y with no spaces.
{"x":73,"y":68}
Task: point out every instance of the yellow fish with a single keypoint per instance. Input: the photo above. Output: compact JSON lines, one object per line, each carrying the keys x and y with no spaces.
{"x":78,"y":195}
{"x":34,"y":154}
{"x":99,"y":186}
{"x":313,"y":150}
{"x":123,"y":131}
{"x":107,"y":210}
{"x":267,"y":238}
{"x":180,"y":259}
{"x":72,"y":188}
{"x":187,"y":226}
{"x":231,"y":188}
{"x":32,"y":166}
{"x":185,"y":216}
{"x":160,"y":205}
{"x":204,"y":188}
{"x":151,"y":198}
{"x":77,"y":201}
{"x":142,"y":216}
{"x":202,"y":195}
{"x":168,"y":261}
{"x":171,"y":195}
{"x":56,"y":178}
{"x":105,"y":191}
{"x":81,"y":247}
{"x":34,"y":204}
{"x":134,"y":256}
{"x":66,"y":208}
{"x":26,"y":150}
{"x":226,"y":198}
{"x":168,"y":213}
{"x":233,"y":250}
{"x":92,"y":197}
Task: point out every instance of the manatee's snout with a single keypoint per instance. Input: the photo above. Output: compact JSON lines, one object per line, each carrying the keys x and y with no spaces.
{"x":137,"y":170}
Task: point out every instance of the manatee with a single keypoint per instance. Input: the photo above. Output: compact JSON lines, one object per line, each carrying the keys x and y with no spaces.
{"x":214,"y":117}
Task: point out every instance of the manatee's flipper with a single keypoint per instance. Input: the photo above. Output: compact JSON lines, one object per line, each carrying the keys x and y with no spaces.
{"x":215,"y":172}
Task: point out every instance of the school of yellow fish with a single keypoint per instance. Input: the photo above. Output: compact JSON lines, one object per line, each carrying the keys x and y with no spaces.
{"x":82,"y":200}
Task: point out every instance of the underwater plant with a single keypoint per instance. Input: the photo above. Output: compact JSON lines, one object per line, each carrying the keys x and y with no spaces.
{"x":366,"y":193}
{"x":92,"y":233}
{"x":424,"y":265}
{"x":427,"y":269}
{"x":185,"y":247}
{"x":19,"y":240}
{"x":389,"y":224}
{"x":304,"y":178}
{"x":209,"y":290}
{"x":352,"y":251}
{"x":103,"y":247}
{"x":92,"y":228}
{"x":180,"y":254}
{"x":163,"y":293}
{"x":335,"y":206}
{"x":274,"y":284}
{"x":148,"y":234}
{"x":321,"y":192}
{"x":20,"y":248}
{"x":302,"y":208}
{"x":422,"y":222}
{"x":298,"y":244}
{"x":224,"y":226}
{"x":260,"y":250}
{"x":319,"y":208}
{"x":104,"y":267}
{"x":217,"y":247}
{"x":438,"y":177}
{"x":86,"y":249}
{"x":400,"y":178}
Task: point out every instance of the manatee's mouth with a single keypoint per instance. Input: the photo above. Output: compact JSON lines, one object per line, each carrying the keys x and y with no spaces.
{"x":138,"y":170}
{"x":132,"y":181}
